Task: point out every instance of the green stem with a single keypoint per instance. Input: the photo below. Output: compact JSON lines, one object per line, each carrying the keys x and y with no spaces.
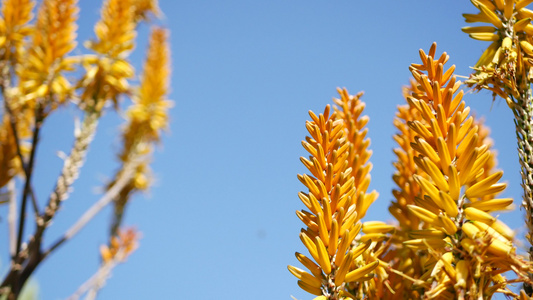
{"x":523,"y":111}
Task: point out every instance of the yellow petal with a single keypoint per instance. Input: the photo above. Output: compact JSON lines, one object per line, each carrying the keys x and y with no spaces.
{"x":305,"y":277}
{"x":360,"y":272}
{"x":424,"y":214}
{"x":323,"y":257}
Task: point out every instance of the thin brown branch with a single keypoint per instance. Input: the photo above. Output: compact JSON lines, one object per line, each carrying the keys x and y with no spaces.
{"x":12,"y":218}
{"x":96,"y":281}
{"x":27,"y":185}
{"x":23,"y":163}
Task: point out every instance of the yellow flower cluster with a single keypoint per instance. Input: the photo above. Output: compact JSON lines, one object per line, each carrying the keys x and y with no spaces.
{"x":107,"y":74}
{"x":147,"y":117}
{"x":466,"y":248}
{"x":504,"y":66}
{"x":148,"y":114}
{"x":340,"y":263}
{"x":14,"y":27}
{"x":447,"y":244}
{"x":53,"y":38}
{"x":410,"y":262}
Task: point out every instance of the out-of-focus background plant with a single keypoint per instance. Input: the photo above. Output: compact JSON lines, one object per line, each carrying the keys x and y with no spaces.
{"x":40,"y":75}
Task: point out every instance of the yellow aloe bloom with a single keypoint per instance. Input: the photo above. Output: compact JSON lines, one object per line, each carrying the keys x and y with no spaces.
{"x":15,"y":27}
{"x":349,"y":110}
{"x":40,"y":74}
{"x":115,"y":32}
{"x":338,"y":263}
{"x":410,"y":262}
{"x":146,"y":118}
{"x":106,"y":75}
{"x":148,"y":115}
{"x":505,"y":63}
{"x":455,"y":162}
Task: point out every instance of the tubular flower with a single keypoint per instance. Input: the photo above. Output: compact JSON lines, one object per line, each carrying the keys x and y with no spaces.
{"x":14,"y":27}
{"x":53,"y":38}
{"x":337,"y":263}
{"x":489,"y":166}
{"x":468,"y":247}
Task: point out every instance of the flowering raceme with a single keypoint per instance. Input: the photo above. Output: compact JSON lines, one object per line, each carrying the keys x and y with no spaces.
{"x":457,"y":199}
{"x":336,"y":201}
{"x":504,"y":65}
{"x":447,"y":244}
{"x":147,"y":117}
{"x":54,"y":36}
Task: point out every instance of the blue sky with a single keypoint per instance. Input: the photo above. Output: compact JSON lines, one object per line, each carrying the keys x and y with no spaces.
{"x":219,"y":222}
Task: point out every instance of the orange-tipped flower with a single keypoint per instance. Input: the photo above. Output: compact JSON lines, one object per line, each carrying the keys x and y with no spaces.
{"x":149,"y":113}
{"x":15,"y":27}
{"x":449,"y":153}
{"x":115,"y":31}
{"x":504,"y":65}
{"x":337,"y":198}
{"x":147,"y":117}
{"x":53,"y":38}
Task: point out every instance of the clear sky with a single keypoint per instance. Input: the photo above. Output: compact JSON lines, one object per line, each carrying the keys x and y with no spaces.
{"x":220,"y":221}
